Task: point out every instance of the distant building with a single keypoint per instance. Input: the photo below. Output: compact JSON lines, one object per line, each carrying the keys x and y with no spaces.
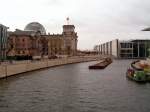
{"x":25,"y":44}
{"x":125,"y":49}
{"x":63,"y":44}
{"x":35,"y":26}
{"x":3,"y":42}
{"x":34,"y":41}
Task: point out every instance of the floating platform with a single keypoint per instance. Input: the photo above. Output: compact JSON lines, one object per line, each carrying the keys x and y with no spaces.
{"x":103,"y":64}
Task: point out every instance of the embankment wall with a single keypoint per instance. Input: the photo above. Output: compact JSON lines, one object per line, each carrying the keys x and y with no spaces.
{"x":26,"y":66}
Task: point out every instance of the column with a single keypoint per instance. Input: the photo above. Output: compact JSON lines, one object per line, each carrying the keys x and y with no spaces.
{"x":138,"y":49}
{"x":145,"y":44}
{"x":132,"y":50}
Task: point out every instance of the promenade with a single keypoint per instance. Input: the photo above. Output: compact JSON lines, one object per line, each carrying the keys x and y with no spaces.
{"x":17,"y":67}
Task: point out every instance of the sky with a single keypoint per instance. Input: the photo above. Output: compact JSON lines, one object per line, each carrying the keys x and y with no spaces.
{"x":96,"y":21}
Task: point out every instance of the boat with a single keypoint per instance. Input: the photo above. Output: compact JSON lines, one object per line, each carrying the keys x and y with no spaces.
{"x":147,"y":72}
{"x":138,"y":76}
{"x":138,"y":71}
{"x":101,"y":65}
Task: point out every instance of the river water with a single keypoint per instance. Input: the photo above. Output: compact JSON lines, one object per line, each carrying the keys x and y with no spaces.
{"x":75,"y":88}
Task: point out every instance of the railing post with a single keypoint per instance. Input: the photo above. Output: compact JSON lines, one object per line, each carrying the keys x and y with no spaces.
{"x":6,"y":71}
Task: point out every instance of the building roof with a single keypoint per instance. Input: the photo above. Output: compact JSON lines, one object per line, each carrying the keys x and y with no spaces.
{"x":68,"y":26}
{"x":21,"y":32}
{"x":140,"y":40}
{"x":146,"y":29}
{"x":35,"y":26}
{"x":53,"y":36}
{"x":134,"y":40}
{"x":3,"y":26}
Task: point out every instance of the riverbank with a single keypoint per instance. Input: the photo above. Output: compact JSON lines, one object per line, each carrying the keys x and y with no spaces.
{"x":7,"y":70}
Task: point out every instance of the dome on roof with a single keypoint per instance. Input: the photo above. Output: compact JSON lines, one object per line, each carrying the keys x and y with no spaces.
{"x":35,"y":26}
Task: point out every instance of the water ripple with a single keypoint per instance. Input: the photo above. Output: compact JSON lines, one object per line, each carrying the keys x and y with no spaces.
{"x":74,"y":88}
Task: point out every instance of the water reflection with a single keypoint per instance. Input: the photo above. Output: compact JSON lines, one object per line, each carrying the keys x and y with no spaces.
{"x":74,"y":88}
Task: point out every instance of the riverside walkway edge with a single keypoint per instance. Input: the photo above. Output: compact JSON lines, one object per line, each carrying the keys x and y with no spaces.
{"x":7,"y":70}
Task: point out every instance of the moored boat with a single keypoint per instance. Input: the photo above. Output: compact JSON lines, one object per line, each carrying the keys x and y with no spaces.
{"x":147,"y":71}
{"x":138,"y":76}
{"x":104,"y":63}
{"x":138,"y":72}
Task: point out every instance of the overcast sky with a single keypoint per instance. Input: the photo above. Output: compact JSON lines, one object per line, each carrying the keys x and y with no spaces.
{"x":96,"y":21}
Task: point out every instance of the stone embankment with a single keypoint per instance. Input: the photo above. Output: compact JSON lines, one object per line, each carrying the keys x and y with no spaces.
{"x":26,"y":66}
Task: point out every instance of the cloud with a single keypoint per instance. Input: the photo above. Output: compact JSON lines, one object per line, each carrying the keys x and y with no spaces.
{"x":96,"y":21}
{"x":53,"y":2}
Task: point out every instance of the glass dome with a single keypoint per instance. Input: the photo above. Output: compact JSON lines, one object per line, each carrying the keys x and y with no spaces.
{"x":35,"y":26}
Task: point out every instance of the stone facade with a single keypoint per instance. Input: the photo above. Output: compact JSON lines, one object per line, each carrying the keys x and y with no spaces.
{"x":32,"y":43}
{"x":70,"y":39}
{"x":55,"y":44}
{"x":25,"y":44}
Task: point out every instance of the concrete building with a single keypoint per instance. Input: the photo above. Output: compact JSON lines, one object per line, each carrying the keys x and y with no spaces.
{"x":125,"y":49}
{"x":3,"y":42}
{"x":33,"y":41}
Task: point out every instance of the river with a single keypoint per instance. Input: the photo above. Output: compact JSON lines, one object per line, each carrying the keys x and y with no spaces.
{"x":75,"y":88}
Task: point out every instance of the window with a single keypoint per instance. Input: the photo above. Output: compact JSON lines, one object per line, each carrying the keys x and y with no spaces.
{"x":126,"y":45}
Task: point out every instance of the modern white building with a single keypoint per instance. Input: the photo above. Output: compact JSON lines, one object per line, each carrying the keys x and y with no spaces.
{"x":125,"y":49}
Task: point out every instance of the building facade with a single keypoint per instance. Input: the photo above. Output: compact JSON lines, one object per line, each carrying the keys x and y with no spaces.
{"x":34,"y":42}
{"x":125,"y":49}
{"x":25,"y":44}
{"x":3,"y":42}
{"x":70,"y":39}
